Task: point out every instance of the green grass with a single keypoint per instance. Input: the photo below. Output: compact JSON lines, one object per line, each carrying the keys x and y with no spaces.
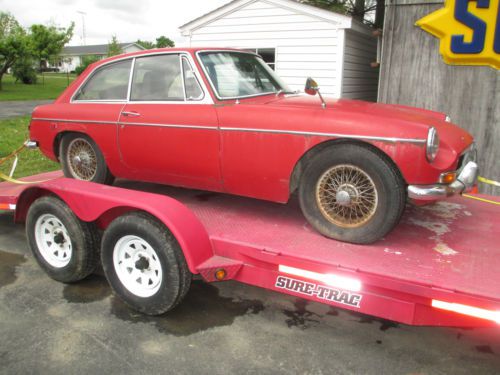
{"x":13,"y":132}
{"x":48,"y":87}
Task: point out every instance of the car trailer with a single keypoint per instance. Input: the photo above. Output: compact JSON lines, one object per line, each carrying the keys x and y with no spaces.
{"x":439,"y":267}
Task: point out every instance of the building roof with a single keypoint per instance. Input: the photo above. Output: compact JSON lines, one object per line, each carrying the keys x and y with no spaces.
{"x":340,"y":20}
{"x":96,"y":49}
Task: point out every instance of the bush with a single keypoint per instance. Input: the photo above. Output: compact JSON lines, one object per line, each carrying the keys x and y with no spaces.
{"x":85,"y":63}
{"x":24,"y":71}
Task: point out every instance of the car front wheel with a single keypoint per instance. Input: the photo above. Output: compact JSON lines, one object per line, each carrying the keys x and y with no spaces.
{"x":352,"y":193}
{"x":81,"y":159}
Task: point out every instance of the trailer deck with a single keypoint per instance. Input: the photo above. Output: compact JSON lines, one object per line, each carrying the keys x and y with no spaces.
{"x":439,"y":266}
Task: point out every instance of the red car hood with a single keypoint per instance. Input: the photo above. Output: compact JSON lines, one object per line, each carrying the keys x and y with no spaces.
{"x":373,"y":118}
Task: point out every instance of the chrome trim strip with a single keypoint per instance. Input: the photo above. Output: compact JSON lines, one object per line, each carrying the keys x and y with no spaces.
{"x":336,"y":135}
{"x":74,"y":121}
{"x":130,"y":123}
{"x":254,"y":130}
{"x":170,"y":125}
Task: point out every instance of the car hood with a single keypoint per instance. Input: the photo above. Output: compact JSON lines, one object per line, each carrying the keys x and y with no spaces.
{"x":374,"y":119}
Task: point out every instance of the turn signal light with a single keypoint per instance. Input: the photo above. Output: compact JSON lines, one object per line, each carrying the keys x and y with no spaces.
{"x":220,"y":274}
{"x":448,"y":177}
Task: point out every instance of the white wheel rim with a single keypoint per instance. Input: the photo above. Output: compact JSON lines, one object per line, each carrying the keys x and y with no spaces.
{"x":137,"y":266}
{"x":53,"y":241}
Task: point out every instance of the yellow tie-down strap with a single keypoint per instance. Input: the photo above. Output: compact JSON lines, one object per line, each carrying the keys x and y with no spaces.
{"x":485,"y":181}
{"x":13,"y":154}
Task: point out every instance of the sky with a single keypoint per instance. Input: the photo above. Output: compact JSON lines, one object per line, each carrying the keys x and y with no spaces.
{"x":129,"y":20}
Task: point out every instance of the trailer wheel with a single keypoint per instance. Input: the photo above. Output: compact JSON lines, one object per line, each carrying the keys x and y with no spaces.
{"x":144,"y":263}
{"x":64,"y":246}
{"x":352,"y":193}
{"x":82,"y":159}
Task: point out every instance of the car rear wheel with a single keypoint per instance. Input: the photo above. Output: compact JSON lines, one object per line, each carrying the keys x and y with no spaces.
{"x":144,"y":263}
{"x":82,"y":160}
{"x":352,"y":193}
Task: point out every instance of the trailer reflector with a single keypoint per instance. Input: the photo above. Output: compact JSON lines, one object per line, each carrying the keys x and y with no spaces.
{"x":337,"y":281}
{"x":475,"y":312}
{"x":7,"y":207}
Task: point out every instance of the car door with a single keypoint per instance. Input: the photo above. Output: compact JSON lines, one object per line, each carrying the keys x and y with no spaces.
{"x":168,"y":130}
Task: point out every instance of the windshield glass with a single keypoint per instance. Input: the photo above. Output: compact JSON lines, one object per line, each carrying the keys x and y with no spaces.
{"x":238,"y":75}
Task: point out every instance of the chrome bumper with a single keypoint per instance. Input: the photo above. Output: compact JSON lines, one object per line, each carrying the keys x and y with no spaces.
{"x":463,"y":184}
{"x":31,"y":145}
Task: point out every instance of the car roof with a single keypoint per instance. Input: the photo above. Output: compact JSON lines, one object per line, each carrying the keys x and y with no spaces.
{"x":160,"y":50}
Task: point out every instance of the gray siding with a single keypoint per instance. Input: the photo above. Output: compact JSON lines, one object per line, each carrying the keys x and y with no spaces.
{"x":359,"y":79}
{"x":413,"y":73}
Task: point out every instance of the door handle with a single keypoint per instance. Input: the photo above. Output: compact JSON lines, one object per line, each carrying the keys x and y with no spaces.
{"x":131,"y":114}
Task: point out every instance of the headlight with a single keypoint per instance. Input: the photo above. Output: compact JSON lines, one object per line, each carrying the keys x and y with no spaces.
{"x":432,"y":145}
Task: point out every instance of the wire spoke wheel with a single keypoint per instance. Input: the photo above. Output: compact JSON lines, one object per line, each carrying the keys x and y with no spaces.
{"x":346,"y":196}
{"x":82,"y":159}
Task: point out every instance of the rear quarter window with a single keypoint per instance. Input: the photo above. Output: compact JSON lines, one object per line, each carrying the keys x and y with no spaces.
{"x":107,"y":83}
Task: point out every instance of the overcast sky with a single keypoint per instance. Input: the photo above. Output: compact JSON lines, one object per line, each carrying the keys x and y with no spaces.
{"x":129,"y":20}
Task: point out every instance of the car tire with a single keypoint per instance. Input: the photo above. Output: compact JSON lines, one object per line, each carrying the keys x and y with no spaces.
{"x":64,"y":246}
{"x":352,"y":193}
{"x":144,"y":263}
{"x":82,"y":159}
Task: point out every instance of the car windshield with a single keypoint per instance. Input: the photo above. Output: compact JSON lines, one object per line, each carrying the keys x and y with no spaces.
{"x":237,"y":75}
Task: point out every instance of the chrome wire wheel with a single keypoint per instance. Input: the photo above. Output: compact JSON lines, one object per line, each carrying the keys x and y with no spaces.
{"x":81,"y":159}
{"x":137,"y":266}
{"x":53,"y":241}
{"x":346,"y":196}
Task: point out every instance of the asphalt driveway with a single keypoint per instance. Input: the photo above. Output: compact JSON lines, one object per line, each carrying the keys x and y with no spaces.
{"x":48,"y":327}
{"x":19,"y":108}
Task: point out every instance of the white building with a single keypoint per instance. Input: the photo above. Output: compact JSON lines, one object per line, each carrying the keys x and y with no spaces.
{"x":298,"y":41}
{"x":72,"y":56}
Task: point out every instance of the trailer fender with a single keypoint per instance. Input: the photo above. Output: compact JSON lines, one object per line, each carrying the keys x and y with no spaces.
{"x":101,"y":204}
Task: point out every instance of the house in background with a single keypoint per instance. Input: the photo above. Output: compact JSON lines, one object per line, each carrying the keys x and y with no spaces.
{"x":72,"y":56}
{"x":298,"y":41}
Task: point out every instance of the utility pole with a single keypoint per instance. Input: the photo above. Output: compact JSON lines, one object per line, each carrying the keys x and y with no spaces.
{"x":84,"y":36}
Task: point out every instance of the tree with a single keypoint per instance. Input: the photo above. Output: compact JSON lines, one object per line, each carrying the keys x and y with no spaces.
{"x":146,"y":44}
{"x":163,"y":41}
{"x":14,"y":43}
{"x":114,"y":47}
{"x":47,"y":42}
{"x":86,"y":61}
{"x":362,"y":10}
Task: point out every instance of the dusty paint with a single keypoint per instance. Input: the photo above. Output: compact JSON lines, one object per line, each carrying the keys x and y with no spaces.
{"x":444,"y":249}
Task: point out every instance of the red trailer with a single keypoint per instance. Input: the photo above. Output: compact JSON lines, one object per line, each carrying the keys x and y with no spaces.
{"x":438,"y":267}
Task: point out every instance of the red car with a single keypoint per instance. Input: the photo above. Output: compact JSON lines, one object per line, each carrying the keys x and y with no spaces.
{"x":221,"y":120}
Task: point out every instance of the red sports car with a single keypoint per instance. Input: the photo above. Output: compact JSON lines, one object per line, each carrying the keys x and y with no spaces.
{"x":221,"y":120}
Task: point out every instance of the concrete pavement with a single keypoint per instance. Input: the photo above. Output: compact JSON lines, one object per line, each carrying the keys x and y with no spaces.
{"x":49,"y":327}
{"x":13,"y":108}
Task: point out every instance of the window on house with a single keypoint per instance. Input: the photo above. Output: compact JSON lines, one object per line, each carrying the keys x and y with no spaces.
{"x":267,"y":54}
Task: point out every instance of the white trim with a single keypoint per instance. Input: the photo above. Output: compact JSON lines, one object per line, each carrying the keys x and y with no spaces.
{"x":207,"y":98}
{"x":337,"y":19}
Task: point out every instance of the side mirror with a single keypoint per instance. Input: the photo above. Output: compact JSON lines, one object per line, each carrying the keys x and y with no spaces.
{"x":312,"y":87}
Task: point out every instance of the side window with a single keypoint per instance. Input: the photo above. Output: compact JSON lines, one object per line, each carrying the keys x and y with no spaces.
{"x":157,"y":78}
{"x":107,"y":83}
{"x":191,"y":84}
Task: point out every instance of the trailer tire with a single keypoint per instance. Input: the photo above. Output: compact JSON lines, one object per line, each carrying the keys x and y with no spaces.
{"x":352,"y":193}
{"x":64,"y":246}
{"x":144,"y":263}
